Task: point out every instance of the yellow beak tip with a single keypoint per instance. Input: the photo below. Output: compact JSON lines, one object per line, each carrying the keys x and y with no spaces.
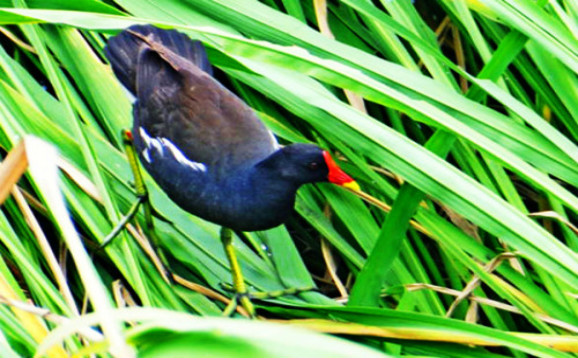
{"x":352,"y":185}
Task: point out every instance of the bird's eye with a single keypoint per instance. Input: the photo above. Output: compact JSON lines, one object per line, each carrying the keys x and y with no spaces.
{"x":313,"y":166}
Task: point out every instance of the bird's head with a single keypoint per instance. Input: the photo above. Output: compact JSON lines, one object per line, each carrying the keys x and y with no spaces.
{"x":307,"y":163}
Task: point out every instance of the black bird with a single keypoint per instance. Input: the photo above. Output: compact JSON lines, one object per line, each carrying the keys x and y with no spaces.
{"x":203,"y":145}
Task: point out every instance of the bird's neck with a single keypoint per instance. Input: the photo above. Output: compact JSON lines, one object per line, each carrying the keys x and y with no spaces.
{"x":267,"y":183}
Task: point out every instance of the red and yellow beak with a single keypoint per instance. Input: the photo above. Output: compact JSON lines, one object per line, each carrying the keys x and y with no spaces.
{"x":338,"y":176}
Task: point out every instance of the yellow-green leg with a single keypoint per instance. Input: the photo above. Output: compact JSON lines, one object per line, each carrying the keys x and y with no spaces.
{"x":241,"y":293}
{"x":142,"y":199}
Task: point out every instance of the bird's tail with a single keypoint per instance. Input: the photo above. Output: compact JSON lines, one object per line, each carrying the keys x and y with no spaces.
{"x":123,"y":50}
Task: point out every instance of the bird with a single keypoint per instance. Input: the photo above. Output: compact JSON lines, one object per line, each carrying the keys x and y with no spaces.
{"x":204,"y":146}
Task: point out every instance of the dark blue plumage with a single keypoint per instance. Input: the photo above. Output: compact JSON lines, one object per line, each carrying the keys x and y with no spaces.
{"x":202,"y":144}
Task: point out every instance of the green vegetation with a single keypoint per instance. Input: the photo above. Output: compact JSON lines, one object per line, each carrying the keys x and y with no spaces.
{"x":468,"y":134}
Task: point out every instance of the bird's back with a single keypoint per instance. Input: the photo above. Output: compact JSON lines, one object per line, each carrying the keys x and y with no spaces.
{"x":197,"y":139}
{"x":178,"y":100}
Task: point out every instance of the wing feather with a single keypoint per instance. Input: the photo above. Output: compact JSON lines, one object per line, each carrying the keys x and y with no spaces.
{"x":180,"y":102}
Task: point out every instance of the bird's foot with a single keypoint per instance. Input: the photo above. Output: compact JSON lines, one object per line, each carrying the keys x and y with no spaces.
{"x":151,"y":248}
{"x":245,"y":299}
{"x":279,"y":293}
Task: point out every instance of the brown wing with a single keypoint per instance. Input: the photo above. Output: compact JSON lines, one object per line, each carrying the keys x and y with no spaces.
{"x":179,"y":102}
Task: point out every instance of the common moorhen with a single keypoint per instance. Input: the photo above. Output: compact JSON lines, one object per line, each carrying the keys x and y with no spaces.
{"x":203,"y":145}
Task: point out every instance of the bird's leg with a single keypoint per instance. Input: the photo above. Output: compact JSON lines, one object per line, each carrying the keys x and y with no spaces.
{"x":140,"y":188}
{"x":242,"y":295}
{"x":143,"y":195}
{"x":142,"y":199}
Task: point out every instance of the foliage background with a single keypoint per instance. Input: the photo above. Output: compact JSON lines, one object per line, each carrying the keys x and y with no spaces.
{"x":460,"y":115}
